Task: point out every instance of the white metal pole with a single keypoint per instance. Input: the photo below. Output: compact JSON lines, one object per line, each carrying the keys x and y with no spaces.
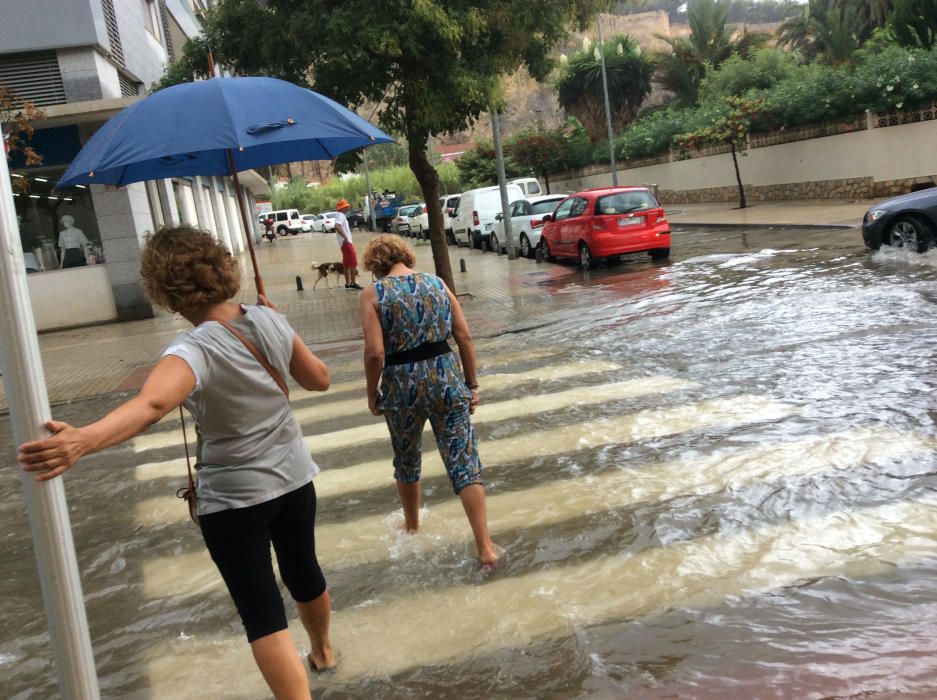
{"x":502,"y":184}
{"x":367,"y":184}
{"x":45,"y":502}
{"x":608,"y":109}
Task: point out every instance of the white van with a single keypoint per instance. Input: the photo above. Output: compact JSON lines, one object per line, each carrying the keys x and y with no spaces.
{"x":475,"y":215}
{"x":286,"y":221}
{"x":530,"y":186}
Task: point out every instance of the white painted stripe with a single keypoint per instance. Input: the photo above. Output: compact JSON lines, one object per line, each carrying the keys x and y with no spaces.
{"x":176,"y":575}
{"x":514,"y":612}
{"x":377,"y":430}
{"x":512,"y":408}
{"x":328,"y":410}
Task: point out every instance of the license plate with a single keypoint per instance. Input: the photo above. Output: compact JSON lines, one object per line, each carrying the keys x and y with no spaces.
{"x":633,"y":221}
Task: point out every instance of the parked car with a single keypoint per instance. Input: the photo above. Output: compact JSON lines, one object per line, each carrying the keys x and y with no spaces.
{"x":475,"y":215}
{"x":529,"y":185}
{"x":327,"y":222}
{"x":288,"y":221}
{"x":605,"y":223}
{"x":526,"y":223}
{"x":909,"y":221}
{"x":419,"y":221}
{"x":401,"y":222}
{"x":355,"y":218}
{"x":311,"y":220}
{"x":449,"y":204}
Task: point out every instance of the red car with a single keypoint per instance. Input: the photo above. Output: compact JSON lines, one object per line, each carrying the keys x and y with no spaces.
{"x":606,"y":222}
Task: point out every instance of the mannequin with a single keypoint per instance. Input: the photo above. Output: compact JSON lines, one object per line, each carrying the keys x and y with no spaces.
{"x":73,"y":245}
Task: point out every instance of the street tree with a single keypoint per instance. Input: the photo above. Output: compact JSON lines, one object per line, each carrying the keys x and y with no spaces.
{"x":833,"y":30}
{"x":730,"y":127}
{"x":431,"y":66}
{"x":538,"y":153}
{"x":477,"y":165}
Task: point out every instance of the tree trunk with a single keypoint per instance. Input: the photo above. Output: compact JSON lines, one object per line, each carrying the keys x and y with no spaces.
{"x":546,"y":180}
{"x":428,"y":178}
{"x":738,"y":178}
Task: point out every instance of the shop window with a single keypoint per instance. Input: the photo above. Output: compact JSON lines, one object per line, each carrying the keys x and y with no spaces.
{"x":58,"y":228}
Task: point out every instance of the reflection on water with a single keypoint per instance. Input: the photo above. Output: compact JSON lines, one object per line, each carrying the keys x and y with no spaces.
{"x":713,"y":478}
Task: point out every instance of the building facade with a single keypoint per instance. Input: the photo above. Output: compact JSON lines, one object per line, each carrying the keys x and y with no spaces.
{"x":81,"y":62}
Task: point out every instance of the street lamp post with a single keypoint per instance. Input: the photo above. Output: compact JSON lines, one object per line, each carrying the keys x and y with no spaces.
{"x":608,"y":109}
{"x":367,"y":184}
{"x":46,"y":508}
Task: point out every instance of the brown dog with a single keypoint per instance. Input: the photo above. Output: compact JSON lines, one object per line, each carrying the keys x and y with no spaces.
{"x":324,"y":269}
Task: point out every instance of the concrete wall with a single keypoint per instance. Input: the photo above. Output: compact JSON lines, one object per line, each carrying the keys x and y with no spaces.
{"x":36,"y":25}
{"x":73,"y":297}
{"x":144,"y":54}
{"x":872,"y":162}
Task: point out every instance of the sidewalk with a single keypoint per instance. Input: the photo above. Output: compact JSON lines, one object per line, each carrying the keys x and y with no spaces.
{"x":100,"y":360}
{"x":822,"y":212}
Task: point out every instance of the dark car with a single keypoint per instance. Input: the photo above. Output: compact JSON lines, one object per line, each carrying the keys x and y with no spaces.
{"x":355,"y":218}
{"x":909,"y":221}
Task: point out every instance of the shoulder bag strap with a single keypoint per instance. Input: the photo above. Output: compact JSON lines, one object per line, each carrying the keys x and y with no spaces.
{"x":271,"y":370}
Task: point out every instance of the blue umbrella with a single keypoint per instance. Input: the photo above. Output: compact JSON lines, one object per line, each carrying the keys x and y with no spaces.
{"x":219,"y":127}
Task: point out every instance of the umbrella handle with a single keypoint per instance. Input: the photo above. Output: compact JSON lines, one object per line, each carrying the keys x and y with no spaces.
{"x":258,"y":279}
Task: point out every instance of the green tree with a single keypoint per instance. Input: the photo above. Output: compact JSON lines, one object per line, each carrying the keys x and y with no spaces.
{"x":579,"y":87}
{"x":477,"y":165}
{"x":914,"y":23}
{"x":833,"y":30}
{"x":711,"y":42}
{"x":432,"y":66}
{"x":730,"y":127}
{"x":538,"y":153}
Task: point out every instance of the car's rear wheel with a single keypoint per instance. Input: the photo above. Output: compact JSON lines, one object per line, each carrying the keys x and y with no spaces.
{"x":526,"y":250}
{"x":494,"y":244}
{"x":660,"y":253}
{"x":586,"y":261}
{"x":911,"y":234}
{"x":281,"y":230}
{"x":477,"y":243}
{"x":545,"y":248}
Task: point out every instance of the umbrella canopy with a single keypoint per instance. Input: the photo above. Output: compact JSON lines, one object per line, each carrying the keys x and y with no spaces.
{"x":194,"y":128}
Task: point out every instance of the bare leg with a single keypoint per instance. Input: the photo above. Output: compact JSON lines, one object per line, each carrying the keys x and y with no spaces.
{"x":473,"y":501}
{"x":347,"y":276}
{"x":315,"y":615}
{"x":279,"y":663}
{"x":410,"y":500}
{"x":354,"y":275}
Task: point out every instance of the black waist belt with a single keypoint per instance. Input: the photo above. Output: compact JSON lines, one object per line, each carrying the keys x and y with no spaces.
{"x":425,"y":351}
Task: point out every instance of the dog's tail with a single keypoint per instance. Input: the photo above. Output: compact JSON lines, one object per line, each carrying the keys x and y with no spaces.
{"x":314,"y":265}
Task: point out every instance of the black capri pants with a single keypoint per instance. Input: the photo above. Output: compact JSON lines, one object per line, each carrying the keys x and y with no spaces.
{"x":239,"y":543}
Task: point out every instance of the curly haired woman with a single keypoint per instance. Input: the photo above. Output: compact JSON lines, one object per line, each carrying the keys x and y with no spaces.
{"x":408,"y":317}
{"x":254,"y":471}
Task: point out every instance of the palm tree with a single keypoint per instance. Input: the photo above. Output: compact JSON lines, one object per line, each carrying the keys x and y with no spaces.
{"x":629,"y":73}
{"x":832,"y":30}
{"x":711,"y":41}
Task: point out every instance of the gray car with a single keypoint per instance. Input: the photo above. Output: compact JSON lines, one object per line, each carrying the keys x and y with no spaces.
{"x":909,"y":221}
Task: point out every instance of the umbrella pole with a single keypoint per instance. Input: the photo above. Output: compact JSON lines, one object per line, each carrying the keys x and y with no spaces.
{"x":258,"y":280}
{"x":45,"y":502}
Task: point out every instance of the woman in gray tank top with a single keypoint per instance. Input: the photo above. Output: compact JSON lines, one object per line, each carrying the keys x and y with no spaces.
{"x":254,"y":471}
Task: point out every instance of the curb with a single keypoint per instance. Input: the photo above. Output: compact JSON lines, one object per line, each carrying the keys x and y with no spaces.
{"x":806,"y":227}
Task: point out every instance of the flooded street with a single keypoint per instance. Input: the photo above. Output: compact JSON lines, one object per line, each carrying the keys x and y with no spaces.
{"x":712,"y":478}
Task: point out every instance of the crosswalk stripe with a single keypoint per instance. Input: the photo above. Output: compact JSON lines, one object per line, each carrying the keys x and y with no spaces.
{"x":328,"y":410}
{"x":512,"y":408}
{"x":527,"y":405}
{"x":176,"y":575}
{"x":451,"y":624}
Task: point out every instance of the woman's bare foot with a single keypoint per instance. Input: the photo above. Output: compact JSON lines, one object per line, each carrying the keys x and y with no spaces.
{"x":322,"y":661}
{"x":490,"y":556}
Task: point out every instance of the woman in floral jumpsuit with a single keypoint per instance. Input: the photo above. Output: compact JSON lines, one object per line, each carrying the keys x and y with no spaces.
{"x":408,"y":317}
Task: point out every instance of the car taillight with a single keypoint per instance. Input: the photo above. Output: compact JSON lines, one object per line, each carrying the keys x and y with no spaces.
{"x":475,"y":217}
{"x":537,"y":224}
{"x":661,"y":219}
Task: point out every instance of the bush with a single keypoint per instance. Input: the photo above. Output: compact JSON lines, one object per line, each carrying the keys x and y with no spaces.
{"x":737,"y":75}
